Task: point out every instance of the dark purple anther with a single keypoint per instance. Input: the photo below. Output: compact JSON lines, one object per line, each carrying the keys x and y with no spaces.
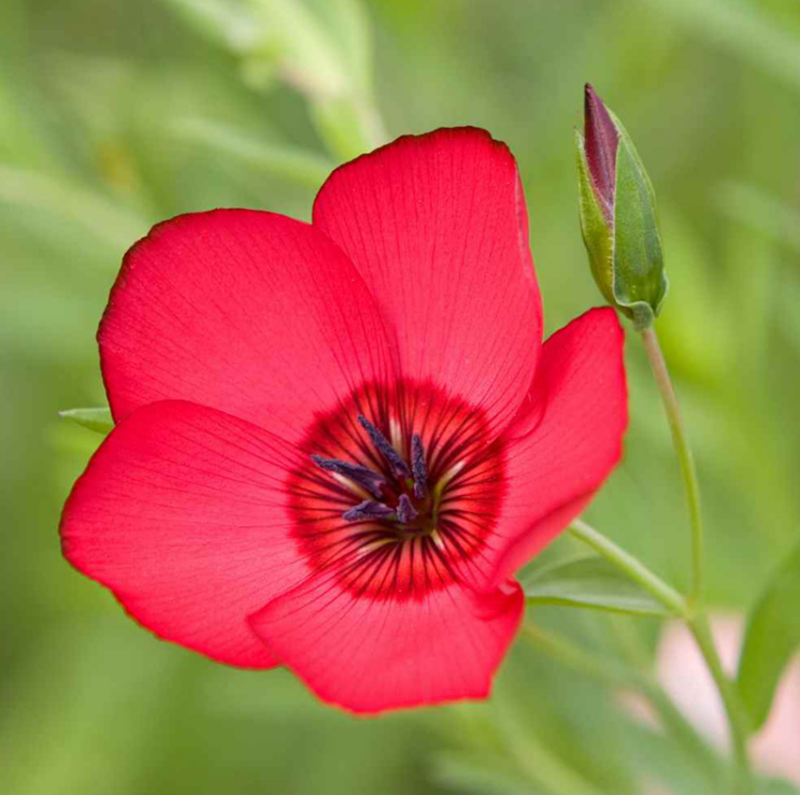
{"x":384,"y":447}
{"x":418,"y":467}
{"x":362,"y":476}
{"x":601,"y":141}
{"x":405,"y":510}
{"x":367,"y":510}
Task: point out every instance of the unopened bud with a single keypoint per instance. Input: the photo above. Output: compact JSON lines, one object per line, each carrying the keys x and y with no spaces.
{"x":618,"y":216}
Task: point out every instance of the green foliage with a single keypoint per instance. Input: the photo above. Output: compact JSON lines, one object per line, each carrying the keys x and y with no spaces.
{"x":115,"y":115}
{"x":98,"y":420}
{"x":481,"y":776}
{"x":639,"y":281}
{"x":590,"y":582}
{"x":282,"y":160}
{"x":773,"y":636}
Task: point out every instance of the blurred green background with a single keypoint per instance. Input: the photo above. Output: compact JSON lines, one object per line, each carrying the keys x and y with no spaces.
{"x":115,"y":114}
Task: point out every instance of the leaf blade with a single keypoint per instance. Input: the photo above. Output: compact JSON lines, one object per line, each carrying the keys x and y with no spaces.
{"x":771,"y":638}
{"x":590,"y":582}
{"x":98,"y":420}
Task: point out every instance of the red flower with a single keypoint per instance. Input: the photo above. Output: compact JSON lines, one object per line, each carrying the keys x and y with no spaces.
{"x":338,"y":441}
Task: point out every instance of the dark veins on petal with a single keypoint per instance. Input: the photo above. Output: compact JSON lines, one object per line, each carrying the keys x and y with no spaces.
{"x":400,"y":493}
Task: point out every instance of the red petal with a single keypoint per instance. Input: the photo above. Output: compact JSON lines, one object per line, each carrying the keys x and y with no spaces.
{"x":568,"y":439}
{"x":437,"y":226}
{"x":248,"y":312}
{"x":182,"y":514}
{"x":369,"y":655}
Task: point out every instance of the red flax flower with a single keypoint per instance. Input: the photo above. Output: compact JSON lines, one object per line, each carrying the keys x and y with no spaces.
{"x":336,"y":442}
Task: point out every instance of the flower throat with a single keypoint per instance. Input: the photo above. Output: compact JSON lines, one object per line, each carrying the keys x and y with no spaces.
{"x":403,"y":499}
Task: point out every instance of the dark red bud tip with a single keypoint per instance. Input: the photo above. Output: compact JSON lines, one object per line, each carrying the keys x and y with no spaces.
{"x":602,"y":140}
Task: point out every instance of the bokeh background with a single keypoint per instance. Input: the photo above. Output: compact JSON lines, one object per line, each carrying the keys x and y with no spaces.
{"x":116,"y":114}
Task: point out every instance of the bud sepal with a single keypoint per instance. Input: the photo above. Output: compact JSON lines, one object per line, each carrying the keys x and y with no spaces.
{"x":618,"y":217}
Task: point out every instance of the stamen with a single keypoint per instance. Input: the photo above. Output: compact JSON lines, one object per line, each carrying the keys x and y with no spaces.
{"x":405,"y":510}
{"x":419,"y":467}
{"x":368,"y":509}
{"x":384,"y":447}
{"x":364,"y":477}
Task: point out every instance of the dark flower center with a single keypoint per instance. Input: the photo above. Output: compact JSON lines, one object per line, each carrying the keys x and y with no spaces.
{"x":403,"y":499}
{"x":401,"y":492}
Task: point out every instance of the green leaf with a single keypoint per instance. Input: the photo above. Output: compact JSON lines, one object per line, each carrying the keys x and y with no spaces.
{"x":98,"y":420}
{"x":104,"y":219}
{"x":772,"y":636}
{"x":777,"y":786}
{"x":348,"y":127}
{"x":482,"y":775}
{"x":283,"y":160}
{"x":230,"y":24}
{"x":590,"y":582}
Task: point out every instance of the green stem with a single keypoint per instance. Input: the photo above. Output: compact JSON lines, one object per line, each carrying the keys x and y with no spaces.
{"x":634,"y":568}
{"x":685,"y":458}
{"x":737,"y":721}
{"x":698,"y":624}
{"x":697,"y":620}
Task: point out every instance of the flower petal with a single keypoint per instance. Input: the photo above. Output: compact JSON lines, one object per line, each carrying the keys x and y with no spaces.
{"x":248,"y":312}
{"x":567,"y":440}
{"x":370,"y":655}
{"x":182,"y":514}
{"x":437,"y":226}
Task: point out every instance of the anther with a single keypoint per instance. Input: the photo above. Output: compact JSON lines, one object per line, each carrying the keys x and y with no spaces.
{"x":384,"y":447}
{"x":368,"y":509}
{"x":419,"y":467}
{"x":364,"y":477}
{"x":405,"y":510}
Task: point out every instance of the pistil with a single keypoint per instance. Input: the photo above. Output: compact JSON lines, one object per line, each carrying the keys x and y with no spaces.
{"x":405,"y":510}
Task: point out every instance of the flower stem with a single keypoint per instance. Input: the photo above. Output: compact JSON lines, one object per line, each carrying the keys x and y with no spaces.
{"x":698,"y":625}
{"x":737,"y":722}
{"x":696,"y":617}
{"x":685,"y":458}
{"x":634,"y":568}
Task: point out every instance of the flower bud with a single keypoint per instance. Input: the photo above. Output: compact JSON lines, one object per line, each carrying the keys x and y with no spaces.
{"x":618,"y":216}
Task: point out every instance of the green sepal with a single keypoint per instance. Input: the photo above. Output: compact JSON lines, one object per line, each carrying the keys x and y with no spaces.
{"x":639,"y":283}
{"x":597,"y":235}
{"x":771,"y":638}
{"x":98,"y":420}
{"x":590,"y":582}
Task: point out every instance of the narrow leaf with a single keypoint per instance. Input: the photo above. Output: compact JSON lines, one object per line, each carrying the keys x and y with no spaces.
{"x":305,"y":167}
{"x":777,"y":786}
{"x":98,"y":420}
{"x":590,"y":582}
{"x":229,"y":24}
{"x":104,"y":219}
{"x":772,"y":636}
{"x":479,"y":775}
